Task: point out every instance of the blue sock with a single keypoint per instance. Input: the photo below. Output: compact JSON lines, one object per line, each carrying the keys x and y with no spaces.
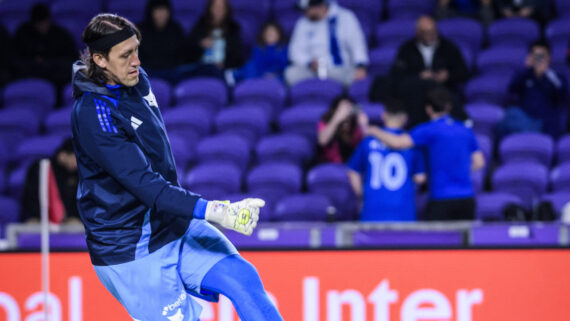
{"x":238,"y":280}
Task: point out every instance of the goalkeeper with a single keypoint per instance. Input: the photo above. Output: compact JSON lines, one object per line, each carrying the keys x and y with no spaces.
{"x":149,"y":239}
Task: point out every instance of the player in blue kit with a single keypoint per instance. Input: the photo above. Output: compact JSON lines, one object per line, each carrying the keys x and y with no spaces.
{"x":388,"y":189}
{"x":149,"y":239}
{"x":452,"y":153}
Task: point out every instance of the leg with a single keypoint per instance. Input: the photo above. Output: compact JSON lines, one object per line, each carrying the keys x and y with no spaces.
{"x":238,"y":280}
{"x":295,"y":74}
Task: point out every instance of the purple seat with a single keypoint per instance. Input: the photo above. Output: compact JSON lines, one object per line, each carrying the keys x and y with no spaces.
{"x":249,"y":122}
{"x":501,"y":60}
{"x":467,"y":54}
{"x":558,"y":56}
{"x":162,"y":91}
{"x":525,"y":147}
{"x":559,"y":200}
{"x":490,"y":206}
{"x":525,"y":180}
{"x":187,"y":12}
{"x":131,"y":10}
{"x":381,"y":60}
{"x":285,"y":148}
{"x":205,"y":91}
{"x":277,"y":179}
{"x":359,"y":89}
{"x":485,"y":117}
{"x":513,"y":32}
{"x":389,"y":238}
{"x":486,"y":146}
{"x":67,"y":95}
{"x":462,"y":31}
{"x":560,"y":178}
{"x":17,"y":93}
{"x":256,"y":11}
{"x":558,"y":31}
{"x":331,"y":180}
{"x":261,"y":90}
{"x":60,"y":241}
{"x":188,"y":121}
{"x":491,"y":89}
{"x":303,"y":207}
{"x":393,"y":33}
{"x":224,"y":148}
{"x":272,"y":237}
{"x":64,"y":9}
{"x":214,"y":180}
{"x":10,"y":210}
{"x":478,"y":180}
{"x":563,"y":149}
{"x":287,"y":19}
{"x":315,"y":91}
{"x":562,"y":8}
{"x":14,"y":13}
{"x":38,"y":147}
{"x":16,"y":124}
{"x":59,"y":122}
{"x":16,"y":179}
{"x":368,"y":13}
{"x":302,"y":120}
{"x":74,"y":26}
{"x":409,"y":9}
{"x":374,"y":111}
{"x":183,"y":150}
{"x":515,"y":235}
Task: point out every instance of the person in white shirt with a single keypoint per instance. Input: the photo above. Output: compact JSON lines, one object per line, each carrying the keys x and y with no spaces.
{"x":327,"y":42}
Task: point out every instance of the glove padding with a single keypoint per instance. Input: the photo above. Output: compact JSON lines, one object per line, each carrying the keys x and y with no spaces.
{"x":241,"y":216}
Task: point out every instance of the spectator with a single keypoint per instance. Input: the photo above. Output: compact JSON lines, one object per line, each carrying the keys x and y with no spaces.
{"x":388,"y":190}
{"x":43,"y":49}
{"x":163,"y":36}
{"x":478,"y":9}
{"x":533,"y":9}
{"x":215,"y":41}
{"x":327,"y":42}
{"x":340,"y":130}
{"x":540,"y":91}
{"x":269,"y":57}
{"x":424,"y":62}
{"x":452,"y":152}
{"x":60,"y":174}
{"x":5,"y":56}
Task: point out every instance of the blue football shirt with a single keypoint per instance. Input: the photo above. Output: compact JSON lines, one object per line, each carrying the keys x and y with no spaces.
{"x":449,"y":144}
{"x":388,"y":191}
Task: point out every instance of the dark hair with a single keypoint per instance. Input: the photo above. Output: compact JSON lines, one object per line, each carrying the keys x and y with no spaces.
{"x":100,"y":26}
{"x":334,"y":106}
{"x":66,"y":146}
{"x":207,"y":15}
{"x":271,"y":23}
{"x":40,"y":12}
{"x":153,"y":4}
{"x":395,"y":107}
{"x":540,"y":43}
{"x":439,"y":99}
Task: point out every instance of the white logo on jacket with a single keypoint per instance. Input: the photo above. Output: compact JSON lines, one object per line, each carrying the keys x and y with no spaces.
{"x":135,"y":122}
{"x":150,"y":99}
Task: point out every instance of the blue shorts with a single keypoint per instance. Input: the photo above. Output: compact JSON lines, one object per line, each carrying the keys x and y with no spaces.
{"x":157,"y":286}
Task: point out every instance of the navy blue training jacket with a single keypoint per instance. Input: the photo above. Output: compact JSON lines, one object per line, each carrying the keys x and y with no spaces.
{"x":128,"y":191}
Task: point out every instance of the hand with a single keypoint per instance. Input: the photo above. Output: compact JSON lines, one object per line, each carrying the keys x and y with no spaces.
{"x":540,"y":68}
{"x":508,"y":13}
{"x":314,"y":65}
{"x":207,"y":43}
{"x":525,"y":12}
{"x":344,"y":110}
{"x":360,"y":73}
{"x":441,"y":76}
{"x":363,"y":120}
{"x":443,"y":3}
{"x":427,"y":74}
{"x":241,"y":216}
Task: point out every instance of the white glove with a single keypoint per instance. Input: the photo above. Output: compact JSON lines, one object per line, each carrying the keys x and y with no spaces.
{"x":241,"y":216}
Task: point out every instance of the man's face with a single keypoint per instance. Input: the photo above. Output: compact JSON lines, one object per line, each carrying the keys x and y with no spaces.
{"x":540,"y":54}
{"x":122,"y":63}
{"x":316,"y":13}
{"x":160,"y":17}
{"x":67,"y":160}
{"x":426,"y":31}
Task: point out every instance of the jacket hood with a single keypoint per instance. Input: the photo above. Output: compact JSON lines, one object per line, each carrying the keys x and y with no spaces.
{"x":81,"y":84}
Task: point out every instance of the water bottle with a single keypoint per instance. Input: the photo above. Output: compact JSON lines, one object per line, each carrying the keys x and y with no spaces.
{"x":219,"y":47}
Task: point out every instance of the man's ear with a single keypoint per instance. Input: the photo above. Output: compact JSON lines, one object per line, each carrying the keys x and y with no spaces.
{"x":100,"y":60}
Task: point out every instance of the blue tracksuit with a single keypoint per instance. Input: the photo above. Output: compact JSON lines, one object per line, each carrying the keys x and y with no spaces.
{"x":128,"y":189}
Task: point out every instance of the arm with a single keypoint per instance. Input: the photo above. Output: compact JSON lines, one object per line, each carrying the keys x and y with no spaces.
{"x":477,"y":160}
{"x":358,"y":47}
{"x":298,"y":52}
{"x":402,"y":141}
{"x":420,"y":178}
{"x":355,"y":182}
{"x":458,"y":72}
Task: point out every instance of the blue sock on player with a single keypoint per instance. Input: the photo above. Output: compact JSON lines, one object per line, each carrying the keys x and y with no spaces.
{"x":239,"y":281}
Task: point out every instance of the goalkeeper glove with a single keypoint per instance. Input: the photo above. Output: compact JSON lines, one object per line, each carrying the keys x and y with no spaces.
{"x":241,"y":216}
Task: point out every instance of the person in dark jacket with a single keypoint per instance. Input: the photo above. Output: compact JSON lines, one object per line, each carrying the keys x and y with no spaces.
{"x":5,"y":56}
{"x":163,"y":39}
{"x":215,"y":43}
{"x":149,"y":239}
{"x":534,"y":9}
{"x":423,"y":63}
{"x":44,"y":49}
{"x":59,"y":173}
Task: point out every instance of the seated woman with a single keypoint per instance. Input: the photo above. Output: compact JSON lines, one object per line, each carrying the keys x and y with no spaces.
{"x":340,"y":130}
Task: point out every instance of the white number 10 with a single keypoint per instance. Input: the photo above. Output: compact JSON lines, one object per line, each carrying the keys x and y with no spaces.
{"x":390,"y":171}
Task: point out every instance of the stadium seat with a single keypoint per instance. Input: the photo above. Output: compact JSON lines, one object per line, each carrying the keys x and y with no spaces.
{"x":463,"y":32}
{"x":249,"y":122}
{"x":184,"y":152}
{"x":254,"y":11}
{"x":67,"y":95}
{"x":558,"y":200}
{"x":486,"y":146}
{"x":37,"y":147}
{"x":490,"y":206}
{"x":381,"y":60}
{"x":275,"y":180}
{"x":261,"y":90}
{"x":517,"y":32}
{"x":359,"y":89}
{"x":409,"y":9}
{"x":162,"y":91}
{"x":291,"y":148}
{"x":368,"y":13}
{"x":17,"y":93}
{"x":374,"y":112}
{"x":202,"y":91}
{"x":315,"y":91}
{"x":224,"y":148}
{"x":501,"y":60}
{"x":16,"y":122}
{"x":10,"y":213}
{"x":59,"y":122}
{"x":485,"y":117}
{"x":331,"y":180}
{"x":558,"y":31}
{"x":563,"y":149}
{"x":525,"y":147}
{"x":14,"y":13}
{"x":16,"y":179}
{"x":491,"y":89}
{"x":303,"y":207}
{"x":187,"y":12}
{"x":393,"y":33}
{"x":560,"y":178}
{"x":302,"y":119}
{"x":132,"y":10}
{"x":525,"y":180}
{"x":287,"y":18}
{"x":478,"y":180}
{"x":214,"y":180}
{"x":188,"y":121}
